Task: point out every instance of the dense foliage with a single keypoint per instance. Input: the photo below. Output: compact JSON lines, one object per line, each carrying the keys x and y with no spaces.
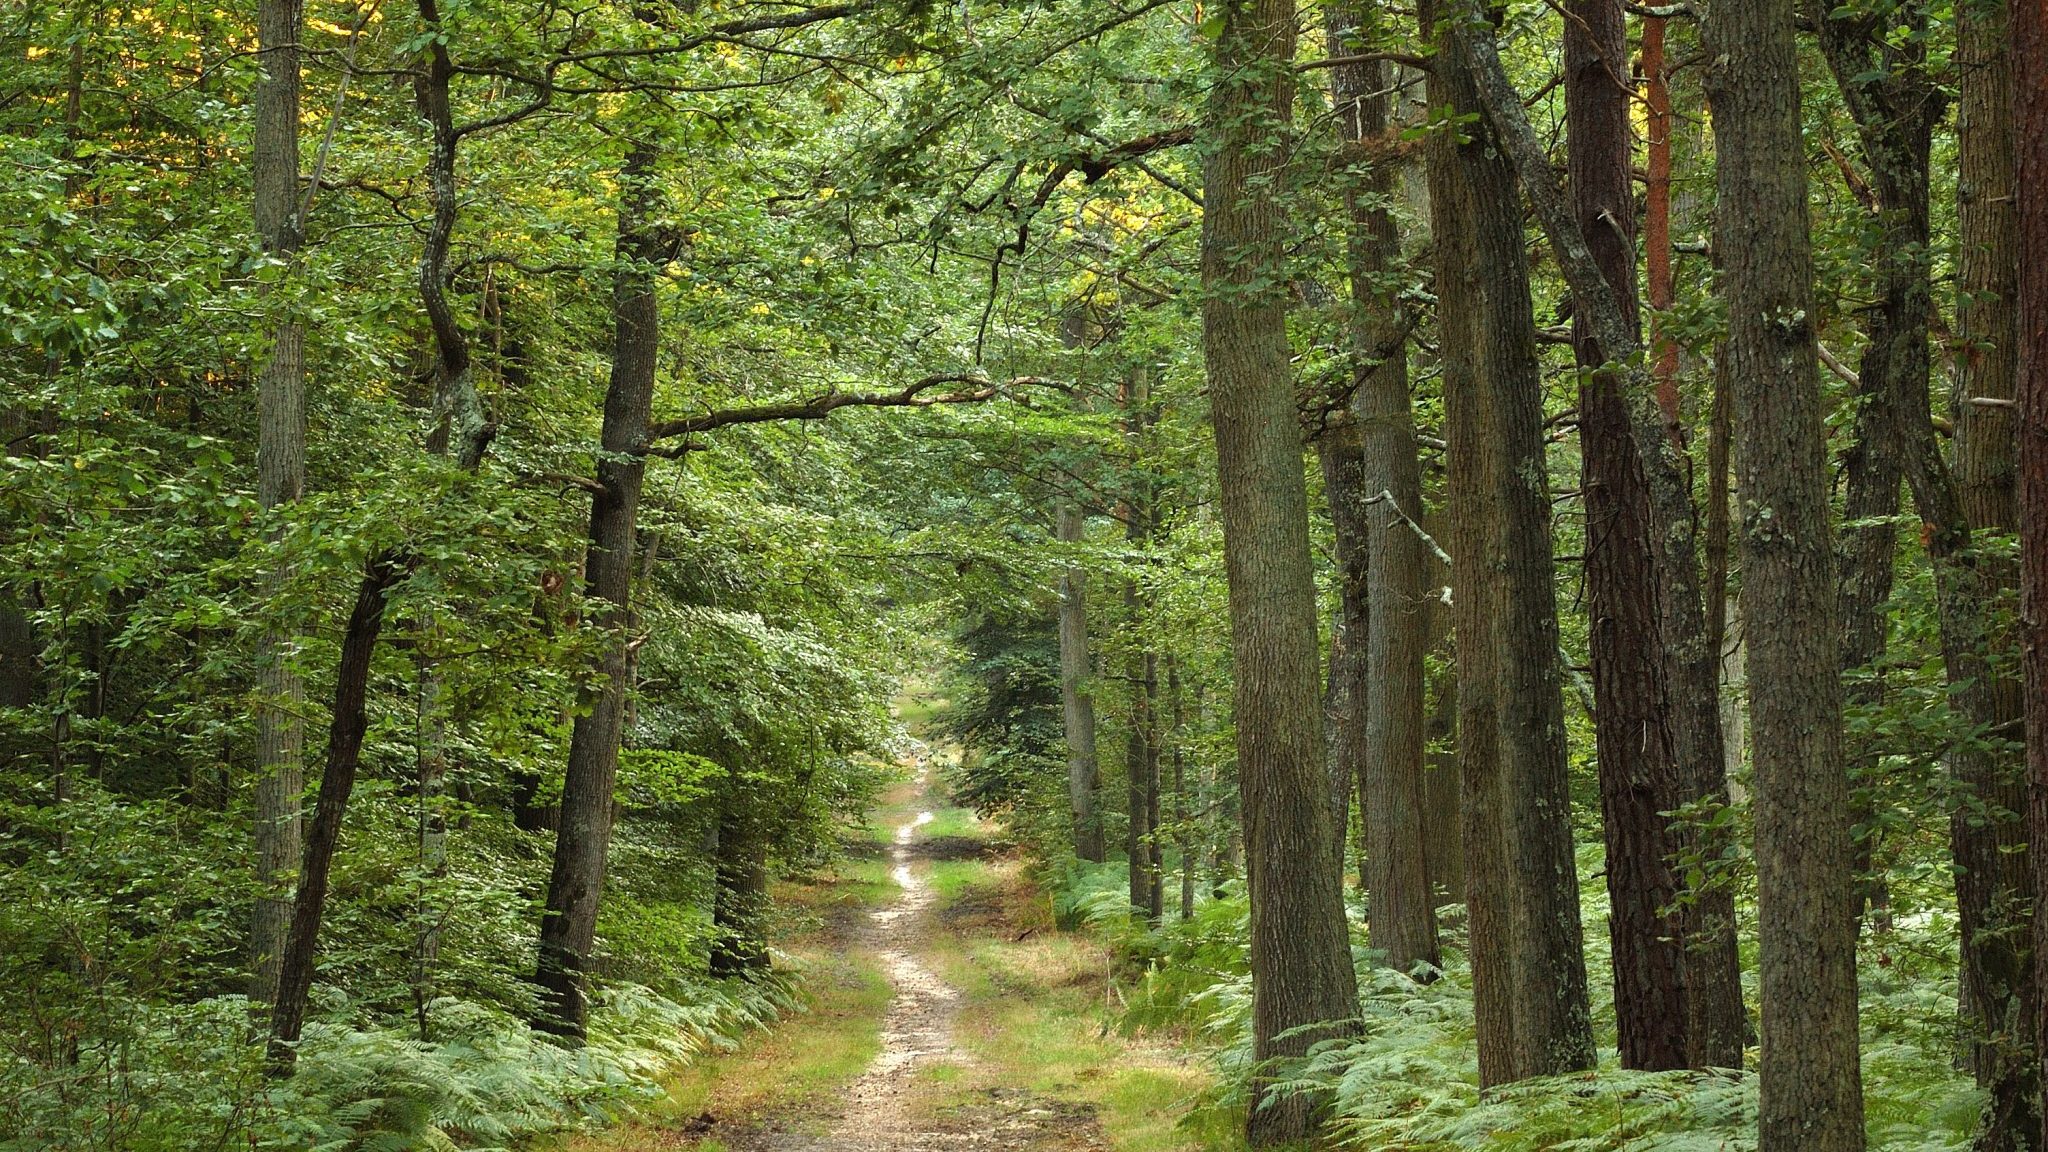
{"x":926,"y":378}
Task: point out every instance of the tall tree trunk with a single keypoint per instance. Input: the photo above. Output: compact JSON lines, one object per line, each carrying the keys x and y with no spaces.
{"x":1985,"y":468}
{"x":1810,"y":1079}
{"x":461,"y":432}
{"x":1456,"y":174}
{"x":1689,"y":659}
{"x":1077,"y":704}
{"x":1300,"y":949}
{"x":2029,"y":63}
{"x":1553,"y":1030}
{"x":1895,"y":107}
{"x":1392,"y":797}
{"x":1633,"y":698}
{"x":576,"y":884}
{"x":280,"y":480}
{"x":1340,"y":455}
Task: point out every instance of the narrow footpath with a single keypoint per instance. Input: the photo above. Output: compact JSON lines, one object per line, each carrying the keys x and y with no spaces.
{"x":949,"y":1016}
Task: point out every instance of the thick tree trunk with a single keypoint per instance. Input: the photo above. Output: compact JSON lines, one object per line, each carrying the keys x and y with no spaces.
{"x":576,"y":884}
{"x":1689,"y":660}
{"x":280,"y":480}
{"x":1456,"y":173}
{"x":1633,"y":698}
{"x":1300,"y":949}
{"x":1986,"y":477}
{"x":1810,"y":1079}
{"x":2029,"y":63}
{"x":1077,"y":704}
{"x":1895,"y":107}
{"x":1553,"y":1030}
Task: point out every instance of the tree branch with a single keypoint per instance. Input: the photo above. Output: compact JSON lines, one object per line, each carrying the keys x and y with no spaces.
{"x":918,"y":394}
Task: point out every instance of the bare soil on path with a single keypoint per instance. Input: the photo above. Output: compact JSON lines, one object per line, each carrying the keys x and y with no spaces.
{"x":911,"y":1098}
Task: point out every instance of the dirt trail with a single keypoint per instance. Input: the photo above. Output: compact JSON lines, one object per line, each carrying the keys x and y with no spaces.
{"x":890,"y":1108}
{"x":919,"y":1026}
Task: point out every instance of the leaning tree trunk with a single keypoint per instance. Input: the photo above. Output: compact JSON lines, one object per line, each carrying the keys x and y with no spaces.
{"x":1391,"y":784}
{"x":1303,"y":983}
{"x":1810,"y":1082}
{"x":568,"y":928}
{"x":1689,"y":661}
{"x":280,"y":480}
{"x":1077,"y":704}
{"x":345,"y":734}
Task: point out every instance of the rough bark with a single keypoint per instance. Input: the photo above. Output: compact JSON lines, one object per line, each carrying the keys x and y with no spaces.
{"x":1077,"y":704}
{"x":1553,"y":1025}
{"x":280,"y":480}
{"x":2029,"y":63}
{"x":1392,"y":795}
{"x":1471,"y":507}
{"x":1895,"y":107}
{"x":1637,"y":749}
{"x":576,"y":883}
{"x":1304,"y":986}
{"x":1810,"y":1080}
{"x":1985,"y":467}
{"x":1688,"y":658}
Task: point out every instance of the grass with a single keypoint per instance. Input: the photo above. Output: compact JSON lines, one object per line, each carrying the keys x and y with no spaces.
{"x":806,"y":1058}
{"x":954,"y":823}
{"x":1034,"y":1015}
{"x":785,"y":1072}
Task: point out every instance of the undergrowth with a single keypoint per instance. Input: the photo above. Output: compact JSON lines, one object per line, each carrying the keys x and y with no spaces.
{"x":190,"y":1078}
{"x":1408,"y":1078}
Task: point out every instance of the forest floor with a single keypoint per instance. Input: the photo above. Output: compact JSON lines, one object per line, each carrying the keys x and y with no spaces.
{"x":946,"y":1013}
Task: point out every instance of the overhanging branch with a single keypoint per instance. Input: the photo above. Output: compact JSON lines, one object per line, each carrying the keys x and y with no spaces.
{"x":923,"y":393}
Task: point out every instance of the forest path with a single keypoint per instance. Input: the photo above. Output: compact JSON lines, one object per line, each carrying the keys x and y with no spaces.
{"x":923,"y":1090}
{"x":947,"y":1013}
